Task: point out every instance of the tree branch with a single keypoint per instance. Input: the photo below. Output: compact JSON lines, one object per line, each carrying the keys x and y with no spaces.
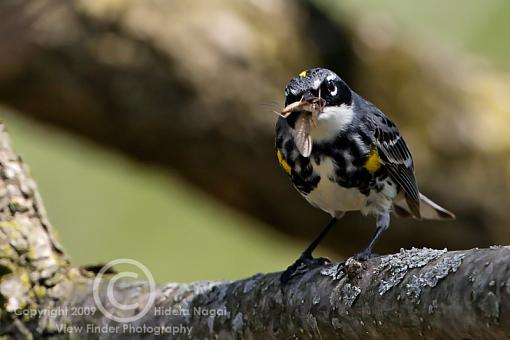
{"x":432,"y":293}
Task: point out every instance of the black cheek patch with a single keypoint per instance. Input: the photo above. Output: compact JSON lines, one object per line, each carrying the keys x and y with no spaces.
{"x":343,"y":96}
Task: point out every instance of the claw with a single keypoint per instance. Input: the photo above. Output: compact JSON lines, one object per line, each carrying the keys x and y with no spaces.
{"x":302,"y":264}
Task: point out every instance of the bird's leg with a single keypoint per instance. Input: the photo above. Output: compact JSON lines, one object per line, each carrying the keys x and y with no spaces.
{"x":383,"y":222}
{"x":306,"y":257}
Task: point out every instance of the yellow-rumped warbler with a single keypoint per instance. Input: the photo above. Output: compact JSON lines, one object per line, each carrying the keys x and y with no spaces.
{"x":343,"y":154}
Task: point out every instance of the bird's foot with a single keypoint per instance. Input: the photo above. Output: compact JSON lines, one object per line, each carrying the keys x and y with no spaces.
{"x":340,"y":269}
{"x":304,"y":263}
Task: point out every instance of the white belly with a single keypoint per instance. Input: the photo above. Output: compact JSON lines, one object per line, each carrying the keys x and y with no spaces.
{"x":334,"y":199}
{"x":331,"y":197}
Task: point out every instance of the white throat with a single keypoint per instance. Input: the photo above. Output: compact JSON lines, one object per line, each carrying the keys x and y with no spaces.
{"x":331,"y":121}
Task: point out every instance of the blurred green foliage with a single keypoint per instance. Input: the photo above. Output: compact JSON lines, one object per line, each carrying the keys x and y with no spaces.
{"x":105,"y":207}
{"x":474,"y":26}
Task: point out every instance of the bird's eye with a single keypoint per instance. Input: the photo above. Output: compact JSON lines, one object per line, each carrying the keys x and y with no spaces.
{"x":331,"y":87}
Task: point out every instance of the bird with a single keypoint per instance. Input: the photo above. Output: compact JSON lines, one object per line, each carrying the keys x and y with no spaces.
{"x":343,"y":154}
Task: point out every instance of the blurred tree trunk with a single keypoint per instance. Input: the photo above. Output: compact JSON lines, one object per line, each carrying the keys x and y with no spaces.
{"x":193,"y":85}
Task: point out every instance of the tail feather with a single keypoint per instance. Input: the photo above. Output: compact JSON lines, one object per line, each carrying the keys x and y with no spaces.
{"x":429,"y":210}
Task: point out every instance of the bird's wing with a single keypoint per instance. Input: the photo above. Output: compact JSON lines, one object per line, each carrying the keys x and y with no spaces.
{"x":395,"y":156}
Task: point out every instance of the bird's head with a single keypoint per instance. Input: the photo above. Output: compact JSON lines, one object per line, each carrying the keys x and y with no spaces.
{"x":318,"y":96}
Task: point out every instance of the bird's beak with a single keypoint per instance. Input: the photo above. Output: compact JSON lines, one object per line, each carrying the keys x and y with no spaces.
{"x":308,"y":103}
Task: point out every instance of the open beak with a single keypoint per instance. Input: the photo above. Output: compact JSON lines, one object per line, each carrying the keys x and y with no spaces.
{"x":308,"y":103}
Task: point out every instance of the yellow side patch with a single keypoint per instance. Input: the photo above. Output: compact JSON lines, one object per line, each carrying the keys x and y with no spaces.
{"x":373,"y":163}
{"x":283,"y":163}
{"x":303,"y":74}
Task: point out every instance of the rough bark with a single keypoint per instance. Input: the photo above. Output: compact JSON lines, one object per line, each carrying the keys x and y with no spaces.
{"x":417,"y":293}
{"x":422,"y":293}
{"x":192,"y":86}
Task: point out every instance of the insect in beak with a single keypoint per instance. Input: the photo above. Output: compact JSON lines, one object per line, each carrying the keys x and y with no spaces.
{"x":312,"y":105}
{"x":309,"y":107}
{"x":307,"y":103}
